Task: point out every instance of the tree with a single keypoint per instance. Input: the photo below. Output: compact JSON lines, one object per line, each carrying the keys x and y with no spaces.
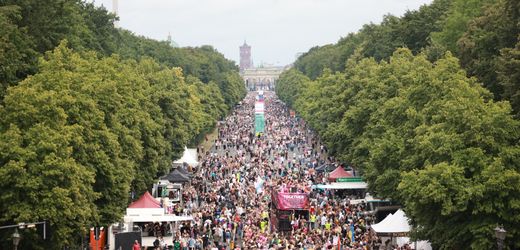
{"x":508,"y":69}
{"x":437,"y":147}
{"x":103,"y":34}
{"x":417,"y":25}
{"x":51,"y":21}
{"x":480,"y":46}
{"x":16,"y":54}
{"x":40,"y":177}
{"x":114,"y":124}
{"x":426,"y":135}
{"x":290,"y":85}
{"x":213,"y":106}
{"x":456,"y":22}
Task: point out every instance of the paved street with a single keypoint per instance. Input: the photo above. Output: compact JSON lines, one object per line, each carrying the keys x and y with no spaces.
{"x":231,"y":201}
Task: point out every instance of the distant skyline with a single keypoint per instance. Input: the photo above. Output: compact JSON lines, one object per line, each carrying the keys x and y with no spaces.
{"x":276,"y":29}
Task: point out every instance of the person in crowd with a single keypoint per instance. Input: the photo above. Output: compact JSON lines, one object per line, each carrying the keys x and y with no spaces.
{"x":229,"y":196}
{"x":136,"y":245}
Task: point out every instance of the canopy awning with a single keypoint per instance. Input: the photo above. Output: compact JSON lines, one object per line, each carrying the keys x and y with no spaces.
{"x":339,"y":172}
{"x":184,"y":171}
{"x":394,"y":225}
{"x":343,"y":185}
{"x":145,"y":201}
{"x":176,"y":176}
{"x":157,"y":218}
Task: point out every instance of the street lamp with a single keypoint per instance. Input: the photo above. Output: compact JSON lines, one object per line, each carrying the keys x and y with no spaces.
{"x":16,"y":238}
{"x":500,"y":234}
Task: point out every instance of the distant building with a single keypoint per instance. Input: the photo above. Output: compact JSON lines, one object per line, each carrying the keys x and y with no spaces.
{"x":262,"y":78}
{"x":115,"y":10}
{"x":172,"y":42}
{"x":245,"y":57}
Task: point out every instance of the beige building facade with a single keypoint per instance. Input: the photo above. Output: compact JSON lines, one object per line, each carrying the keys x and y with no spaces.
{"x":261,"y":78}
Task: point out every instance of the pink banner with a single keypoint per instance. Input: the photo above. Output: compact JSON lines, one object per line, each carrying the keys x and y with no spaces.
{"x":292,"y":201}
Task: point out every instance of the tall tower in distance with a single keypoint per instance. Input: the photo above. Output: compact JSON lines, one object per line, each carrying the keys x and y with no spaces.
{"x":245,"y":57}
{"x":115,"y":9}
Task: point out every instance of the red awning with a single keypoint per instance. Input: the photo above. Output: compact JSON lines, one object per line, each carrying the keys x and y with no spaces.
{"x":339,"y":172}
{"x":145,"y":201}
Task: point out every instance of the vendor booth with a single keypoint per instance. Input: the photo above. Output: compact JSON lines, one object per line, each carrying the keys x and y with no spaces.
{"x":285,"y":206}
{"x":146,"y":216}
{"x":176,"y":176}
{"x":396,"y":228}
{"x":339,"y":172}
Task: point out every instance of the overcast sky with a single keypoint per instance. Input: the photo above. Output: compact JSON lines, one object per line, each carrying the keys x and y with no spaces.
{"x":276,"y":29}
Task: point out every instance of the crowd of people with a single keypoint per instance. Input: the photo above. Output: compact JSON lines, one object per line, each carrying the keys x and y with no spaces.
{"x":230,"y":194}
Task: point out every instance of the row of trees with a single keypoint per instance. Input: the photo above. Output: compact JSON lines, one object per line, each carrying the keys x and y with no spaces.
{"x":91,"y":113}
{"x":483,"y":34}
{"x":425,"y":135}
{"x":433,"y":125}
{"x":32,"y":28}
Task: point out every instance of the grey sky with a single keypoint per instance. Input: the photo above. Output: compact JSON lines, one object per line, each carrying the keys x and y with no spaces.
{"x":276,"y":29}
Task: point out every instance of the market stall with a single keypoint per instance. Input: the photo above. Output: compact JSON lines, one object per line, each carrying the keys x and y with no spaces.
{"x":396,"y":228}
{"x":339,"y":172}
{"x":146,"y":216}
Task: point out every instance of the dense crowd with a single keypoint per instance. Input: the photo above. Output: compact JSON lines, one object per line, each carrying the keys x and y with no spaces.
{"x":229,"y":197}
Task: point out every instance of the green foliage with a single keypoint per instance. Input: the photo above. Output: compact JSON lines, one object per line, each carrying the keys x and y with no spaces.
{"x":16,"y":55}
{"x":109,"y":125}
{"x":486,"y":35}
{"x":51,"y":21}
{"x":290,"y":85}
{"x":102,"y":35}
{"x":456,"y":22}
{"x":89,"y":120}
{"x":423,"y":134}
{"x":213,"y":106}
{"x":475,"y":31}
{"x":412,"y":30}
{"x":317,"y":59}
{"x":204,"y":62}
{"x":417,"y":25}
{"x":508,"y":69}
{"x":421,"y":131}
{"x":36,"y":27}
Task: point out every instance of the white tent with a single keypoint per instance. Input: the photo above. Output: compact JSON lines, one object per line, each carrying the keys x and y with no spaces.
{"x":189,"y":157}
{"x":419,"y":245}
{"x":397,"y":225}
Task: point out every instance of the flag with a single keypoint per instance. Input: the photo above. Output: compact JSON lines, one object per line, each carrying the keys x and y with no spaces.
{"x":353,"y":231}
{"x":259,"y":184}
